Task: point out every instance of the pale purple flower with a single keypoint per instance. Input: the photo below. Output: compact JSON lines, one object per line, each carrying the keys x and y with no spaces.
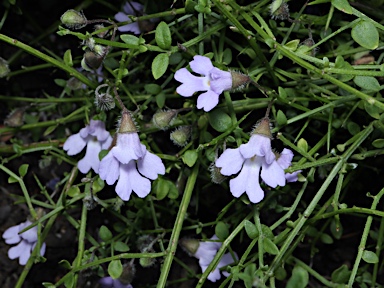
{"x":206,"y":252}
{"x":284,"y":160}
{"x":129,"y":8}
{"x":109,"y":282}
{"x":96,"y":138}
{"x":251,"y":158}
{"x":214,"y":82}
{"x":128,"y":162}
{"x":27,"y":242}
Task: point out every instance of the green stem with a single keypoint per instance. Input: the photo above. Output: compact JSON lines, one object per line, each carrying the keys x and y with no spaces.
{"x":173,"y":242}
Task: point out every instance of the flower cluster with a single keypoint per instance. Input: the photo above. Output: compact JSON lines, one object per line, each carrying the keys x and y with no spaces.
{"x":205,"y":252}
{"x":253,"y":159}
{"x":27,"y":242}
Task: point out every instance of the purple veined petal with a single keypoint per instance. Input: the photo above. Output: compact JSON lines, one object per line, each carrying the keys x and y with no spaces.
{"x":259,"y":145}
{"x":248,"y":181}
{"x":107,"y":143}
{"x":273,"y":174}
{"x":201,"y":65}
{"x":220,"y":80}
{"x":230,"y":162}
{"x":121,"y":17}
{"x":130,"y":7}
{"x":150,"y":166}
{"x":109,"y":169}
{"x":91,"y":158}
{"x":285,"y":158}
{"x":11,"y":235}
{"x":128,"y":147}
{"x":207,"y":100}
{"x":106,"y":282}
{"x":191,"y":83}
{"x":74,"y":144}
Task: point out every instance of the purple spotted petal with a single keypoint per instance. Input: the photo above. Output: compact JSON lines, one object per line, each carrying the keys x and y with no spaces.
{"x":11,"y":235}
{"x":259,"y":145}
{"x":230,"y":162}
{"x":150,"y":166}
{"x":207,"y":100}
{"x":248,"y":181}
{"x":201,"y":65}
{"x":91,"y":158}
{"x":273,"y":175}
{"x":74,"y":144}
{"x":109,"y":169}
{"x":220,"y":80}
{"x":128,"y":147}
{"x":191,"y":83}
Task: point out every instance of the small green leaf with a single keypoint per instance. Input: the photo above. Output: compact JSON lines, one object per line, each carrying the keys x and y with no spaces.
{"x":299,"y":278}
{"x":163,"y":36}
{"x":326,"y":239}
{"x":342,"y":5}
{"x":251,"y":229}
{"x":221,"y":230}
{"x":23,"y":169}
{"x":48,"y":285}
{"x":366,"y":35}
{"x":120,"y":246}
{"x":353,"y":128}
{"x":367,"y":82}
{"x":378,"y":143}
{"x":160,"y":100}
{"x":160,"y":65}
{"x":115,"y":269}
{"x":370,"y":257}
{"x":372,"y":110}
{"x":49,"y":130}
{"x":69,"y":281}
{"x":104,"y":233}
{"x":281,"y":118}
{"x":270,"y":247}
{"x":189,"y":157}
{"x":65,"y":264}
{"x":98,"y":185}
{"x":68,"y":58}
{"x":292,"y":45}
{"x":153,"y":89}
{"x":60,"y":82}
{"x":131,"y":40}
{"x":103,"y":153}
{"x":341,"y":274}
{"x":73,"y":191}
{"x":161,"y":188}
{"x":219,"y":120}
{"x":303,"y":144}
{"x":12,"y":180}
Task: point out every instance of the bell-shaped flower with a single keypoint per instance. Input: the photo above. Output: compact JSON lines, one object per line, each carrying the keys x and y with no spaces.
{"x":130,"y":163}
{"x":96,"y":138}
{"x":214,"y":81}
{"x":254,"y":159}
{"x":27,"y":242}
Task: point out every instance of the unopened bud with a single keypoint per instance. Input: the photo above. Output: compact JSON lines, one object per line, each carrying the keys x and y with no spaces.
{"x":147,"y":262}
{"x":4,"y":68}
{"x":91,"y":61}
{"x":15,"y":118}
{"x":263,"y":127}
{"x":181,"y":135}
{"x":104,"y":101}
{"x":279,"y":10}
{"x":216,"y":176}
{"x":100,"y":34}
{"x":189,"y":245}
{"x":239,"y":80}
{"x":163,"y":119}
{"x":73,"y":19}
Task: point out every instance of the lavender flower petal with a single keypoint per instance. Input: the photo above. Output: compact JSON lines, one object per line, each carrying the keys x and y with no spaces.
{"x":11,"y":235}
{"x":74,"y":144}
{"x":207,"y":100}
{"x":230,"y":162}
{"x":91,"y":158}
{"x":191,"y":83}
{"x":259,"y":145}
{"x":151,"y":166}
{"x":220,"y":80}
{"x":109,"y":169}
{"x":201,"y":65}
{"x":132,"y":142}
{"x":273,"y":174}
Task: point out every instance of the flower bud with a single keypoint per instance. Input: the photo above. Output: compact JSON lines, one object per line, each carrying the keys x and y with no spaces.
{"x":129,"y":271}
{"x":100,"y":50}
{"x":279,"y":10}
{"x":163,"y":119}
{"x":4,"y":68}
{"x":147,"y":262}
{"x":263,"y":127}
{"x":189,"y":245}
{"x":73,"y":19}
{"x":91,"y":61}
{"x":181,"y":135}
{"x":216,"y":176}
{"x":239,"y":80}
{"x":15,"y":118}
{"x":104,"y":101}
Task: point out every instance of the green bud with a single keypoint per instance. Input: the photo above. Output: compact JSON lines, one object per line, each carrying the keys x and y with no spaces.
{"x":73,"y":19}
{"x":163,"y":119}
{"x":91,"y":61}
{"x":147,"y":262}
{"x":239,"y":80}
{"x":181,"y":135}
{"x":4,"y":69}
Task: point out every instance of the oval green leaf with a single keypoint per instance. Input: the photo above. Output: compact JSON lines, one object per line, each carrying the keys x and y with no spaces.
{"x":270,"y":247}
{"x":251,"y":229}
{"x":163,"y":36}
{"x":189,"y":157}
{"x":115,"y":269}
{"x":104,"y":233}
{"x":221,"y":230}
{"x":367,"y":82}
{"x":299,"y":278}
{"x":370,"y":257}
{"x":366,"y":35}
{"x":342,"y":5}
{"x":160,"y":65}
{"x":219,"y":120}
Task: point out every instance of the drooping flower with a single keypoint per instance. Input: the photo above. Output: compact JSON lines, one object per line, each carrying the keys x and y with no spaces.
{"x":27,"y":242}
{"x":96,"y":138}
{"x":128,"y":161}
{"x":205,"y":251}
{"x":253,"y":159}
{"x":134,"y":9}
{"x":214,"y":82}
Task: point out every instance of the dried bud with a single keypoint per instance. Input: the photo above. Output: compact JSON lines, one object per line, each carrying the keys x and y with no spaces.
{"x":147,"y":262}
{"x":73,"y":19}
{"x":91,"y":61}
{"x":309,"y":42}
{"x":15,"y":118}
{"x":74,"y":84}
{"x":163,"y":119}
{"x":89,"y":202}
{"x":145,"y":243}
{"x":126,"y":124}
{"x":239,"y":80}
{"x":181,"y":135}
{"x":100,"y":50}
{"x":128,"y":274}
{"x":4,"y":69}
{"x":104,"y":101}
{"x":216,"y":176}
{"x":279,"y":10}
{"x":100,"y":34}
{"x":263,"y":127}
{"x":189,"y":245}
